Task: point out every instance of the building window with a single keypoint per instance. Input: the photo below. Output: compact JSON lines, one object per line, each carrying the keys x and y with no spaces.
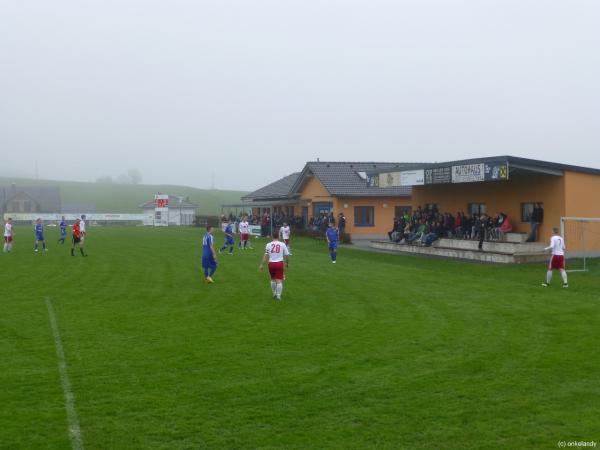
{"x":399,"y":211}
{"x":364,"y":216}
{"x":477,"y":209}
{"x":527,"y":209}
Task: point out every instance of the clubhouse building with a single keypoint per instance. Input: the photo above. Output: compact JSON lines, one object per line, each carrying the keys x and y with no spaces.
{"x":371,"y":194}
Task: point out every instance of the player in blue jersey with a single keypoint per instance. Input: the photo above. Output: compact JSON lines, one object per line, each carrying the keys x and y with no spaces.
{"x":39,"y":235}
{"x":209,"y":256}
{"x":229,"y":240}
{"x":333,"y":236}
{"x":63,"y":230}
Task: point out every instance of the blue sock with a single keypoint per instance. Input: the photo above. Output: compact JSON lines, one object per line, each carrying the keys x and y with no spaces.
{"x":333,"y":255}
{"x":44,"y":245}
{"x":212,"y":271}
{"x":231,"y":250}
{"x":36,"y":246}
{"x":205,"y":272}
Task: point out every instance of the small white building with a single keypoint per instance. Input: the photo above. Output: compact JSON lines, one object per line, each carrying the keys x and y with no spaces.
{"x":180,"y":211}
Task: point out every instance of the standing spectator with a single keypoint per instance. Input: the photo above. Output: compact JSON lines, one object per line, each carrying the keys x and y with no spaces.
{"x":480,"y":227}
{"x":342,"y":223}
{"x":264,"y":225}
{"x":537,"y":217}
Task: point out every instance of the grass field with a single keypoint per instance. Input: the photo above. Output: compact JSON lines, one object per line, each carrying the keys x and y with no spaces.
{"x":378,"y":351}
{"x":126,"y":198}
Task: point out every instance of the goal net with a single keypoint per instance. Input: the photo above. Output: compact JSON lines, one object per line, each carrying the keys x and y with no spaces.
{"x":582,"y":239}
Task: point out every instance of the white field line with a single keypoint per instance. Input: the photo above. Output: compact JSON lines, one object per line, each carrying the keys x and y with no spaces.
{"x":74,"y":429}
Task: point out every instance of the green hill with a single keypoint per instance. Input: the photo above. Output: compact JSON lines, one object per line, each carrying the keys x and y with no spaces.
{"x":126,"y":198}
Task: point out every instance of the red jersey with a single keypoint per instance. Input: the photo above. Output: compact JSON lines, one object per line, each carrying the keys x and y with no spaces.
{"x":76,"y":230}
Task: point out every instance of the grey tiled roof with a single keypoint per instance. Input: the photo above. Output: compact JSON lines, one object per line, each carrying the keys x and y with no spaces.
{"x":47,"y":197}
{"x":278,"y":189}
{"x":341,"y":179}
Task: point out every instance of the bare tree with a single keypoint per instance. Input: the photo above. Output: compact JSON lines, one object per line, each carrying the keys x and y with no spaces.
{"x":135,"y":176}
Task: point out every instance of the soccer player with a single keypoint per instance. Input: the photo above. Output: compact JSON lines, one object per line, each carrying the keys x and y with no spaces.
{"x":63,"y":231}
{"x":8,"y":235}
{"x":82,"y":231}
{"x":284,"y":234}
{"x":277,"y":252}
{"x":77,"y":237}
{"x":333,"y":236}
{"x":39,"y":235}
{"x":209,"y":255}
{"x":557,"y":245}
{"x":229,"y":240}
{"x":244,"y":229}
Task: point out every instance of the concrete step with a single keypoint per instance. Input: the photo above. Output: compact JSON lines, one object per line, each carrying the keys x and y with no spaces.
{"x":516,"y":237}
{"x":494,"y":246}
{"x":458,"y":253}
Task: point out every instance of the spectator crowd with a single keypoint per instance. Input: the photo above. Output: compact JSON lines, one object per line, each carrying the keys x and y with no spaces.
{"x":426,"y":225}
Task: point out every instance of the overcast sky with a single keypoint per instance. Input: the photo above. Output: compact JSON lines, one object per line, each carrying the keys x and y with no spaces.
{"x":251,"y":90}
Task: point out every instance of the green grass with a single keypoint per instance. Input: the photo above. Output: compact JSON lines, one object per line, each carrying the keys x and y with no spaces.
{"x":378,"y":351}
{"x":126,"y":198}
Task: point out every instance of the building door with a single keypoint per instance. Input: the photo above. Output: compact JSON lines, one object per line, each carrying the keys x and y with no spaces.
{"x":322,"y":207}
{"x":305,"y":216}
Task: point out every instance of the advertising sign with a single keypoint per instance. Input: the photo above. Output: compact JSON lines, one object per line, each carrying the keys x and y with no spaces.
{"x":496,"y":171}
{"x":412,"y":178}
{"x":468,"y":173}
{"x":161,"y":210}
{"x":438,"y":175}
{"x":390,"y":179}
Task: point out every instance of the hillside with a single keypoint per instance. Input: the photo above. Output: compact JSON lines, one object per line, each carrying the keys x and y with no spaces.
{"x":126,"y":198}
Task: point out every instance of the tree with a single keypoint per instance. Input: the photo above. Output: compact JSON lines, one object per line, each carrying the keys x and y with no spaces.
{"x":135,"y":176}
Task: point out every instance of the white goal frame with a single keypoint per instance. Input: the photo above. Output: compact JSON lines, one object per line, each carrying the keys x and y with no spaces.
{"x":583,"y":254}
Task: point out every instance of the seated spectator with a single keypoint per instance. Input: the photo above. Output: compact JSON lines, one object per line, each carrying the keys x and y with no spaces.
{"x":395,"y":228}
{"x":506,"y":227}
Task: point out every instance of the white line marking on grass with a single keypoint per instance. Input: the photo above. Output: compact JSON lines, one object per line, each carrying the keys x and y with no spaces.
{"x":74,"y":430}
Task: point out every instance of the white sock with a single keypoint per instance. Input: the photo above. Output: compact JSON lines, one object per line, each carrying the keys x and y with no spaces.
{"x":549,"y":277}
{"x":279,"y":289}
{"x":563,"y":274}
{"x":274,"y":287}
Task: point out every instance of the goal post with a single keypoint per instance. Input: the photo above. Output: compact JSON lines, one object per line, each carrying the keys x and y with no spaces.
{"x":582,"y":239}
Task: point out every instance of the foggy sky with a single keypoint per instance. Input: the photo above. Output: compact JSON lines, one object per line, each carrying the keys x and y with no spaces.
{"x":251,"y":90}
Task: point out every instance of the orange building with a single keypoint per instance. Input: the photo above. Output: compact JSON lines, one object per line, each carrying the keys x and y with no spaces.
{"x":503,"y":184}
{"x":371,"y":194}
{"x":336,"y":187}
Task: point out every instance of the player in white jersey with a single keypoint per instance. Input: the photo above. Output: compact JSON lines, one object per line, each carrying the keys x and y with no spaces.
{"x":8,"y":235}
{"x":557,"y":246}
{"x":244,"y":230}
{"x":277,"y":253}
{"x":284,"y":234}
{"x":82,"y":231}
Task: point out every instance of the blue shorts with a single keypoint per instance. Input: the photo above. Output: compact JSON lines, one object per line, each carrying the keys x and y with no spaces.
{"x":39,"y":237}
{"x":209,"y":262}
{"x":333,"y":245}
{"x":229,"y":241}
